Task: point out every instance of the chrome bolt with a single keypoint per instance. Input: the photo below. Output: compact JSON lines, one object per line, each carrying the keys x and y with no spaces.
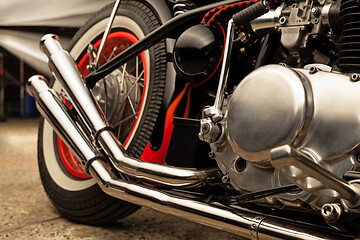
{"x":282,"y":20}
{"x":355,"y":77}
{"x":331,"y":212}
{"x":205,"y":128}
{"x":313,"y":70}
{"x":225,"y":178}
{"x":211,"y":155}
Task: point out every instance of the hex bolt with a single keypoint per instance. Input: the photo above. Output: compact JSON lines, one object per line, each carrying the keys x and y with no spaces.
{"x":313,"y":70}
{"x":211,"y":155}
{"x":331,"y":212}
{"x":314,"y":10}
{"x":225,"y":178}
{"x":355,"y":77}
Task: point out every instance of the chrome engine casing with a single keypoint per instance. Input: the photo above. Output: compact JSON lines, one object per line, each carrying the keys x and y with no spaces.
{"x":313,"y":110}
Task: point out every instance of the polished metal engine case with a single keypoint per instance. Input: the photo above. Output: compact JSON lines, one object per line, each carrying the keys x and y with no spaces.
{"x":314,"y":110}
{"x":269,"y":108}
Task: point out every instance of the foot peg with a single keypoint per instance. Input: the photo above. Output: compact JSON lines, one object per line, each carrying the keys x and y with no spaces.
{"x":312,"y":178}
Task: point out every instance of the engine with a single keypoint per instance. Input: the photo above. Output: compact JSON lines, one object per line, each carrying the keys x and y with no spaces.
{"x":293,"y":115}
{"x":313,"y":110}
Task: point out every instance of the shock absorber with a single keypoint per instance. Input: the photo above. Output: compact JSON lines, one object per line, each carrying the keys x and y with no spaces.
{"x":349,"y":49}
{"x":182,"y":6}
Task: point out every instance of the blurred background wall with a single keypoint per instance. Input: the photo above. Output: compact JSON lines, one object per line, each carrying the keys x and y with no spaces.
{"x":22,"y":24}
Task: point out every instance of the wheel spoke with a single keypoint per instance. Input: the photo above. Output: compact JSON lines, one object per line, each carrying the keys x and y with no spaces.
{"x":139,"y":76}
{"x":128,"y":93}
{"x":119,"y":123}
{"x":122,"y":79}
{"x":128,"y":118}
{"x":131,"y":104}
{"x":112,"y":53}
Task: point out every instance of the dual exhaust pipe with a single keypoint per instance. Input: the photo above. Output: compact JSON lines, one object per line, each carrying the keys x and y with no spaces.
{"x":95,"y":131}
{"x":97,"y":128}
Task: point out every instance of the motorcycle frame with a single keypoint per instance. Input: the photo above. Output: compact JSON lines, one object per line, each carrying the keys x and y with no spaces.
{"x":167,"y":30}
{"x":161,"y":200}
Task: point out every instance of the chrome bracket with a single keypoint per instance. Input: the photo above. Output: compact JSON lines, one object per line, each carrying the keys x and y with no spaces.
{"x":106,"y":34}
{"x":92,"y":55}
{"x":311,"y":177}
{"x":209,"y":131}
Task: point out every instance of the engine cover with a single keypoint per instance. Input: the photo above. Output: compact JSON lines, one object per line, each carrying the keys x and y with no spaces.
{"x":313,"y":110}
{"x":268,"y":109}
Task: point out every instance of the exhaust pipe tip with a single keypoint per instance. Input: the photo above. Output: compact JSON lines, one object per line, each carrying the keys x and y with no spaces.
{"x":50,"y":44}
{"x":36,"y":84}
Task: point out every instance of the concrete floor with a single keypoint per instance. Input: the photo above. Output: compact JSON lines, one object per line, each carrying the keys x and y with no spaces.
{"x":26,"y":212}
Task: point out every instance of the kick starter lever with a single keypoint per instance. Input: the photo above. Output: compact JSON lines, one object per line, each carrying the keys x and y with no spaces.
{"x":313,"y":178}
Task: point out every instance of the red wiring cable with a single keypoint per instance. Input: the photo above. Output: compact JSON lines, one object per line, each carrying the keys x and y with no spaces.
{"x":218,"y":65}
{"x":188,"y":100}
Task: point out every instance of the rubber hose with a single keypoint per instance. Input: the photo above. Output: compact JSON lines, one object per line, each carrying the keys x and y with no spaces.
{"x":250,"y":13}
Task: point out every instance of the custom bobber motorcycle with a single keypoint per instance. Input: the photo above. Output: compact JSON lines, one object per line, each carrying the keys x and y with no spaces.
{"x":240,"y":115}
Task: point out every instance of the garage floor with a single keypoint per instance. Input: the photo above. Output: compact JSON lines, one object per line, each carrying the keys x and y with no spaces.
{"x":26,"y":212}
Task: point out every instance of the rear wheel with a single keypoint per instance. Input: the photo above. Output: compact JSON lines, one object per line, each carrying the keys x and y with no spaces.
{"x":129,"y":97}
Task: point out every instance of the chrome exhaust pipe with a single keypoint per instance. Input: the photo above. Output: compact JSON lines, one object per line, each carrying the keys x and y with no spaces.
{"x":67,"y":73}
{"x":53,"y":110}
{"x":240,"y":221}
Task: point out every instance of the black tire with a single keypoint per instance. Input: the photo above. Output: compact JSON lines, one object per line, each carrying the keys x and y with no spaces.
{"x":81,"y":199}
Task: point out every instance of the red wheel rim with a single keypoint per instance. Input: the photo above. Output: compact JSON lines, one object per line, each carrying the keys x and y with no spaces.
{"x":124,"y":40}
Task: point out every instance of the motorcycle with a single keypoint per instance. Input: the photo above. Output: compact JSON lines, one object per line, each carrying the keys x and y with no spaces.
{"x":240,"y":115}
